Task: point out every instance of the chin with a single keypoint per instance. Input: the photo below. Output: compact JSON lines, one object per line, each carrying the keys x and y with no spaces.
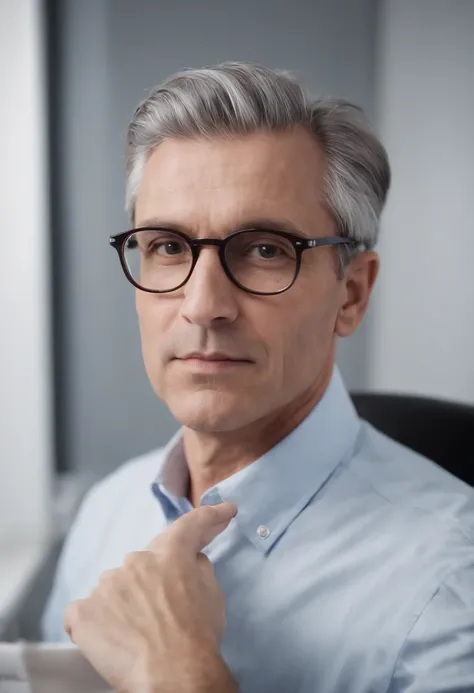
{"x":211,"y":411}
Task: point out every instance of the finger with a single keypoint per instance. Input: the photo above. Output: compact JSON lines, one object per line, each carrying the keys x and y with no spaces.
{"x":70,"y":616}
{"x":197,"y":528}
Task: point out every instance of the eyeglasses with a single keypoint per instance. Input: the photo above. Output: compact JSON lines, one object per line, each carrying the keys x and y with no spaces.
{"x":259,"y":261}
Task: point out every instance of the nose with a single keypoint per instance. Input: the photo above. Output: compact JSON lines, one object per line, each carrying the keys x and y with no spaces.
{"x":209,"y":295}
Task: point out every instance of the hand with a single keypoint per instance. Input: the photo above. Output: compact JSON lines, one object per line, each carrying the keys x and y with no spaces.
{"x":156,"y":623}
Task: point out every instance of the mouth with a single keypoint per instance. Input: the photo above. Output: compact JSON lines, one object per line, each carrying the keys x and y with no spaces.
{"x":210,"y":363}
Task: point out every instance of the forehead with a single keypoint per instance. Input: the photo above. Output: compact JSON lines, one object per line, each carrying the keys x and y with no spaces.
{"x":224,"y":180}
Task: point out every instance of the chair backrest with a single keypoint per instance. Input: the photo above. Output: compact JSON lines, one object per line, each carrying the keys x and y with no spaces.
{"x":438,"y":429}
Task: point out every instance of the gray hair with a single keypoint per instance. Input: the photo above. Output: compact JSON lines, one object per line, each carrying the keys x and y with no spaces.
{"x":243,"y":98}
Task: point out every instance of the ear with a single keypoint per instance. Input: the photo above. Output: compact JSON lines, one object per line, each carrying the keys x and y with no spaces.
{"x":358,"y":282}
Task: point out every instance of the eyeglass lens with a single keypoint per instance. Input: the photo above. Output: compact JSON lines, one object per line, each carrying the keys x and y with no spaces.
{"x":261,"y":261}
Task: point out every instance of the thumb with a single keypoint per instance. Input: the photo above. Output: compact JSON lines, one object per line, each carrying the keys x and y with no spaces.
{"x":197,"y":528}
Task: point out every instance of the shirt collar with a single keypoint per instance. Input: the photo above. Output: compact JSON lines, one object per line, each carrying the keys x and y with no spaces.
{"x":272,"y":491}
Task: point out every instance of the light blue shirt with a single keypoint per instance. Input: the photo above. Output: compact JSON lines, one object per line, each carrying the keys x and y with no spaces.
{"x":348,"y":569}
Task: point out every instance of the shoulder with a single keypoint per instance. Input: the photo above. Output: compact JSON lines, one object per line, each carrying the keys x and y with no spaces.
{"x":414,"y":487}
{"x":118,"y":514}
{"x":418,"y":523}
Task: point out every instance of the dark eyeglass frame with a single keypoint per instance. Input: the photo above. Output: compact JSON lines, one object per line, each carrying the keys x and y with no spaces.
{"x":299,"y":244}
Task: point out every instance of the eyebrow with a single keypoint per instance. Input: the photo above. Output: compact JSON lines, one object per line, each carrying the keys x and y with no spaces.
{"x":255,"y":223}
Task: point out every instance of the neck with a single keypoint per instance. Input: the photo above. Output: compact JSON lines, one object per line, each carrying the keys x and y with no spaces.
{"x":214,"y":456}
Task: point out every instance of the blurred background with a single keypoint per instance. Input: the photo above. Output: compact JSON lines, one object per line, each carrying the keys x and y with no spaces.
{"x":74,"y":399}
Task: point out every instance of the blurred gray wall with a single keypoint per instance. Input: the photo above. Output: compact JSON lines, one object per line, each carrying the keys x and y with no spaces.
{"x":424,"y":324}
{"x":107,"y":56}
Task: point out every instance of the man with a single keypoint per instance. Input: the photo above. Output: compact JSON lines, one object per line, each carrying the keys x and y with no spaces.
{"x":349,"y":566}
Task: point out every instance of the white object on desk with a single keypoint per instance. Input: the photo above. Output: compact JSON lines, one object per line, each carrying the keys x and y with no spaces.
{"x":47,"y":668}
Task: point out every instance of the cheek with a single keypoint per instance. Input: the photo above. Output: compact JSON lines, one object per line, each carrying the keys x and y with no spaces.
{"x":307,"y":332}
{"x":302,"y":343}
{"x":153,"y":318}
{"x":286,"y":329}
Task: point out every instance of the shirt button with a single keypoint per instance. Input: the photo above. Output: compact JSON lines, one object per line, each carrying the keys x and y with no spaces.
{"x":263,"y":532}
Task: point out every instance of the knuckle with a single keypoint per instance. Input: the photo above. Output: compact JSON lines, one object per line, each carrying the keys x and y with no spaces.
{"x":131,"y":560}
{"x":161,"y":547}
{"x":108,"y":576}
{"x":72,"y":615}
{"x":138,"y":561}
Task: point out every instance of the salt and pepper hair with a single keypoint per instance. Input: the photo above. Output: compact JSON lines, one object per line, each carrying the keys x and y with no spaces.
{"x":235,"y":99}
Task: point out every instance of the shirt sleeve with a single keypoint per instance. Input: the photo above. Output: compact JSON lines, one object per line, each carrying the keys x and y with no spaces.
{"x":438,"y":654}
{"x":51,"y":620}
{"x":72,"y":560}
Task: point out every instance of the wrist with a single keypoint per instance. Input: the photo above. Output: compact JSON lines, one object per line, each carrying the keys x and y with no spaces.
{"x":204,"y":672}
{"x":215,"y":678}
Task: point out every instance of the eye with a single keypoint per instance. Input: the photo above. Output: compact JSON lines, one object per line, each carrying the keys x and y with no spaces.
{"x":167,"y":248}
{"x":264,"y":248}
{"x":266,"y":251}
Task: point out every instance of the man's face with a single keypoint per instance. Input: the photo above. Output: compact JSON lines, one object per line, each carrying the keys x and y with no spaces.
{"x":283,"y":342}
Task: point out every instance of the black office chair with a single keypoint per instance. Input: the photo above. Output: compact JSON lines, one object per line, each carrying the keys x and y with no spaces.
{"x":438,"y":429}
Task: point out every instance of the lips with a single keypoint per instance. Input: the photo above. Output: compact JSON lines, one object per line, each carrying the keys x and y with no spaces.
{"x":215,"y":356}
